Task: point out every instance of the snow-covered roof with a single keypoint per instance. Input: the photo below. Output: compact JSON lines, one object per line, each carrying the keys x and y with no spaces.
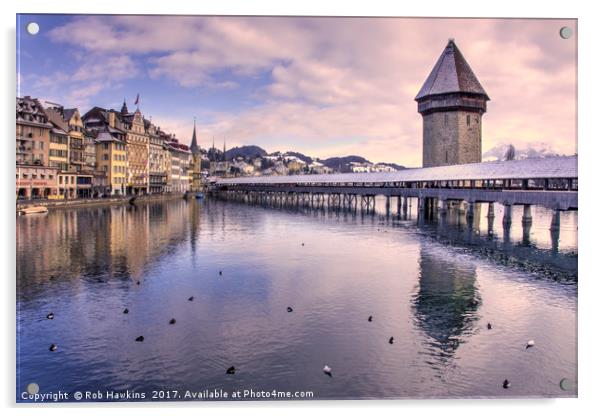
{"x":451,"y":74}
{"x":550,"y":167}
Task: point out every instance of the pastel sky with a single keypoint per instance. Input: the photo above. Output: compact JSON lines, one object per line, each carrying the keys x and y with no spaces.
{"x":321,"y":86}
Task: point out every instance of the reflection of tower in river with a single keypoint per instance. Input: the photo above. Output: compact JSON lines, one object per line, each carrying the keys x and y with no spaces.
{"x":447,"y":300}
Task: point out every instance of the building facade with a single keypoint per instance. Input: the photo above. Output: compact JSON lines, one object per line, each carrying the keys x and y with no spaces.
{"x":137,"y":142}
{"x":34,"y":181}
{"x":452,"y":103}
{"x":179,"y":177}
{"x":33,"y":132}
{"x":63,"y":155}
{"x":58,"y":152}
{"x":156,"y":163}
{"x":112,"y":160}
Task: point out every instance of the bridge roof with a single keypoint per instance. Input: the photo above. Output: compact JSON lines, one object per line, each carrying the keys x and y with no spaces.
{"x":550,"y":167}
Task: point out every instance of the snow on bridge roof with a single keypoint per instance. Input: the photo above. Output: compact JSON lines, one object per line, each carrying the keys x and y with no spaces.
{"x":550,"y":167}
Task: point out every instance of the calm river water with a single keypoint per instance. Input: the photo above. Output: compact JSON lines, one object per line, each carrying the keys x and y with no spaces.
{"x":433,"y":287}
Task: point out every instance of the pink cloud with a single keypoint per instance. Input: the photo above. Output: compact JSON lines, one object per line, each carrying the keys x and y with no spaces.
{"x":333,"y":78}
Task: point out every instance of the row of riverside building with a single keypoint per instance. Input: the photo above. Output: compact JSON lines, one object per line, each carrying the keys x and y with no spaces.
{"x":61,"y":154}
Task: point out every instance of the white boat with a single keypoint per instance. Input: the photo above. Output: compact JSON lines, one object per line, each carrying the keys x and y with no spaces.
{"x":33,"y":210}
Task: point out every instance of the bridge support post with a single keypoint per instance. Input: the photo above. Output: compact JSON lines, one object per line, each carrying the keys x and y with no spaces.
{"x":399,"y":206}
{"x":442,"y":207}
{"x":526,"y":233}
{"x":491,"y":210}
{"x":421,"y":205}
{"x":405,"y":207}
{"x":507,"y":220}
{"x":470,"y":210}
{"x":555,"y":224}
{"x":387,"y":205}
{"x":527,"y":218}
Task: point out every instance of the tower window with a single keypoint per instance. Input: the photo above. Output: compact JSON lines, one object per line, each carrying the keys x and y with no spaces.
{"x":446,"y":156}
{"x":468,"y":120}
{"x":445,"y":119}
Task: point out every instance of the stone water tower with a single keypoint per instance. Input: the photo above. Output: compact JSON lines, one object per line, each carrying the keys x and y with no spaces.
{"x":452,"y":103}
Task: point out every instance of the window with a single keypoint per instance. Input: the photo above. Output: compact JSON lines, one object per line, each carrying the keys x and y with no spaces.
{"x":445,"y":119}
{"x":105,"y":157}
{"x":34,"y":176}
{"x":468,"y":120}
{"x":60,"y":180}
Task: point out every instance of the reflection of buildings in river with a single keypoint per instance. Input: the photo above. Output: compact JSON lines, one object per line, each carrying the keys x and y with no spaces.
{"x":446,"y":302}
{"x":110,"y":240}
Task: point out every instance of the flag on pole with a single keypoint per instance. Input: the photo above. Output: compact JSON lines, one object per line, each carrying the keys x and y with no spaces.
{"x":137,"y":99}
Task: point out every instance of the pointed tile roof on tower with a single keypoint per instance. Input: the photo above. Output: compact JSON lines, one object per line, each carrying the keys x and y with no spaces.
{"x":451,"y":74}
{"x":194,"y":147}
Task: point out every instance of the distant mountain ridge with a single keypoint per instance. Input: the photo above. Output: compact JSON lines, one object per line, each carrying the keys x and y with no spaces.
{"x":338,"y":163}
{"x":341,"y":164}
{"x":534,"y":150}
{"x":245,"y":151}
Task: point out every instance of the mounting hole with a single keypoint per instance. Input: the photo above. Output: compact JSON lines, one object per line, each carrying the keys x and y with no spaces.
{"x":33,"y":388}
{"x":566,"y":32}
{"x":567,"y":384}
{"x":33,"y":28}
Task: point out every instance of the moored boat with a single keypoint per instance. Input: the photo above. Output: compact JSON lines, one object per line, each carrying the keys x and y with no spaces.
{"x":33,"y":210}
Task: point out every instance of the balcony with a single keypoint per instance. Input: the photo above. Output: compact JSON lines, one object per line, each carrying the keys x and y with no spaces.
{"x":24,"y":149}
{"x":22,"y":137}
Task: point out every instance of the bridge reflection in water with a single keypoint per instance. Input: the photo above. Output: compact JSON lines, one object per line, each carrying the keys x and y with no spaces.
{"x":481,"y":228}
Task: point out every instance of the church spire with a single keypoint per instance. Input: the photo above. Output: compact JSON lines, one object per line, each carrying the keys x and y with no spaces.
{"x":194,"y":147}
{"x":124,"y":108}
{"x":213,"y":149}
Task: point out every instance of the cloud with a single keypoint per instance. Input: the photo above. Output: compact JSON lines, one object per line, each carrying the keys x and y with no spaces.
{"x":337,"y":84}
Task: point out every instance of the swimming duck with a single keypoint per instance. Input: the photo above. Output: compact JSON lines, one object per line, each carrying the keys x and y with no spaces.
{"x":370,"y":318}
{"x":126,"y":310}
{"x":231,"y":370}
{"x":140,"y":339}
{"x":289,"y":309}
{"x":220,"y":272}
{"x":173,"y":321}
{"x":50,"y":316}
{"x":530,"y":344}
{"x":53,"y":347}
{"x":391,"y":340}
{"x":327,"y":370}
{"x":489,"y":326}
{"x":506,"y":384}
{"x":191,"y":298}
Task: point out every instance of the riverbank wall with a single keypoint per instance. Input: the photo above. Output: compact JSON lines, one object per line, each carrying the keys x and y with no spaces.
{"x":82,"y":203}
